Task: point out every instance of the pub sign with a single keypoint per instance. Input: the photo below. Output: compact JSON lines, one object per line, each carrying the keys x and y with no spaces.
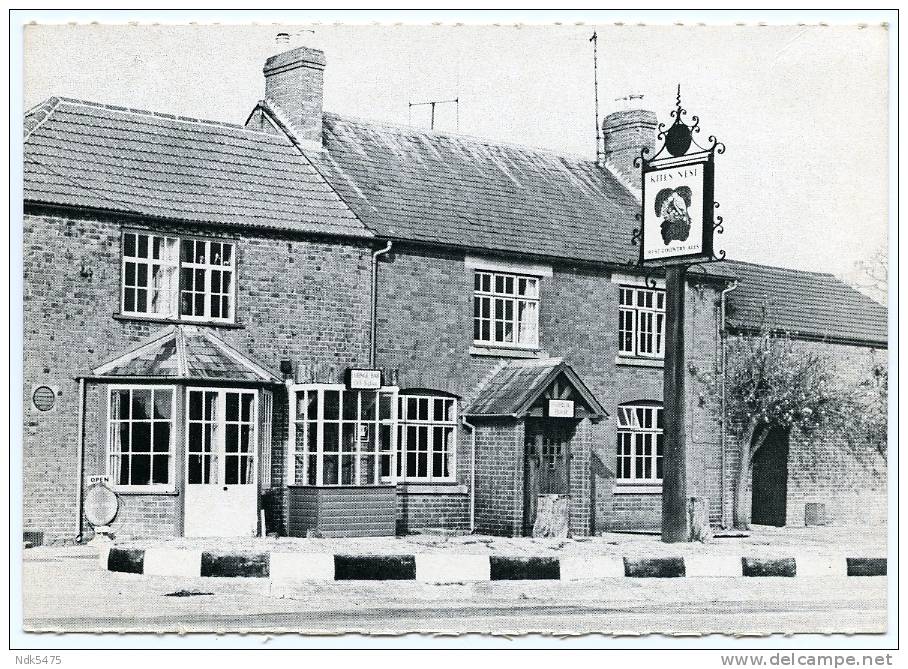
{"x":677,"y":188}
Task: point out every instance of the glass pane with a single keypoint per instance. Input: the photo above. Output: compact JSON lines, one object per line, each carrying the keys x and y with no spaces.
{"x":160,"y":469}
{"x":143,"y":246}
{"x":311,"y":470}
{"x":246,"y":406}
{"x":129,"y":244}
{"x":125,"y":445}
{"x":332,"y":404}
{"x":141,"y":300}
{"x":331,"y":436}
{"x":195,"y":469}
{"x":231,"y":470}
{"x":231,"y":438}
{"x":331,"y":469}
{"x":140,"y":467}
{"x":195,"y":437}
{"x":384,"y":406}
{"x":163,"y":402}
{"x":348,"y":468}
{"x":141,"y":437}
{"x":123,"y":479}
{"x":233,"y":406}
{"x":349,"y":399}
{"x":227,"y":254}
{"x":129,"y":274}
{"x":161,"y":434}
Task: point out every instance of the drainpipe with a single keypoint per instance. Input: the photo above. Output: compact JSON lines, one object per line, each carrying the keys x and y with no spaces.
{"x":472,"y":429}
{"x":722,"y":355}
{"x":80,"y":457}
{"x":373,"y":327}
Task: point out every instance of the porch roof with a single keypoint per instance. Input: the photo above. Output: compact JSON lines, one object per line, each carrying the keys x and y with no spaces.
{"x":516,"y":386}
{"x":184,"y":352}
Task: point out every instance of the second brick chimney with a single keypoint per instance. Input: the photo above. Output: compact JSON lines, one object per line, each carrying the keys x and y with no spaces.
{"x":294,"y":84}
{"x":626,"y":132}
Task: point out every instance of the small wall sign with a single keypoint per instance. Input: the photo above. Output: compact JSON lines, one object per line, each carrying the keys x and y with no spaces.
{"x":44,"y":398}
{"x":561,"y":408}
{"x":364,"y":379}
{"x":103,"y":478}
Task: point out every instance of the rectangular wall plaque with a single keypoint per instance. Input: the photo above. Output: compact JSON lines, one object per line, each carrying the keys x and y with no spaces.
{"x":364,"y":379}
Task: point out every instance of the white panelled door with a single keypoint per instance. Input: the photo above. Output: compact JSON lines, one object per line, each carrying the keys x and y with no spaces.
{"x":221,"y":463}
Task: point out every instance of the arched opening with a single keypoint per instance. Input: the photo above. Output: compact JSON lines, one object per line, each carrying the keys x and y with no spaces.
{"x":769,"y":487}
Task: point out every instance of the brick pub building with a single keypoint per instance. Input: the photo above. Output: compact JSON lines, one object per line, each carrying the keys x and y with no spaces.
{"x":199,"y":296}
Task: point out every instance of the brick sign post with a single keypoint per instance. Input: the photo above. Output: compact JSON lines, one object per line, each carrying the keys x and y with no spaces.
{"x":676,"y":232}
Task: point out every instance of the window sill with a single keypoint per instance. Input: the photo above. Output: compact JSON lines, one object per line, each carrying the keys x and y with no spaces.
{"x":175,"y":321}
{"x":631,"y":361}
{"x":504,"y":352}
{"x":149,"y":491}
{"x":638,"y":488}
{"x":432,"y":488}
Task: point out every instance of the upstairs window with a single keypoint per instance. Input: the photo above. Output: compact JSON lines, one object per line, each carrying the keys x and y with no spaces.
{"x":640,"y":443}
{"x":505,"y":309}
{"x":427,"y":438}
{"x":190,"y":279}
{"x":641,"y":322}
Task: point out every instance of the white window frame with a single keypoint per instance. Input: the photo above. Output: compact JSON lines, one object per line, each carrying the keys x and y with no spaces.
{"x":295,"y":420}
{"x":170,"y":486}
{"x":512,"y":299}
{"x":633,"y":432}
{"x":173,"y":266}
{"x":429,"y":424}
{"x":220,"y":433}
{"x":645,"y":341}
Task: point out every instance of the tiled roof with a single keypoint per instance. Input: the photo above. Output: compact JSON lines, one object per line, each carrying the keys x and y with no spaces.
{"x":184,"y":352}
{"x":810,"y":304}
{"x":515,"y":386}
{"x":90,"y":155}
{"x":449,"y":189}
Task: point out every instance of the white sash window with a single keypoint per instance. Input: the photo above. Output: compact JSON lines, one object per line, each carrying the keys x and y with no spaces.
{"x":640,"y":444}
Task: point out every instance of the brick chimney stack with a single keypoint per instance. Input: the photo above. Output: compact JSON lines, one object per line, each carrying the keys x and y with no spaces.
{"x":625,"y":132}
{"x":294,"y":84}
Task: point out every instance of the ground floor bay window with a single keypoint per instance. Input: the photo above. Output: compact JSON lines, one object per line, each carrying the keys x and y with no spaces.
{"x":341,"y":461}
{"x":342,"y":437}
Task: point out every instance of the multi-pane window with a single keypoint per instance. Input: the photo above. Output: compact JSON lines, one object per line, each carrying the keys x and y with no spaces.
{"x":189,"y":278}
{"x":640,"y":443}
{"x":221,"y":437}
{"x":140,"y":429}
{"x":342,"y":436}
{"x":505,"y":309}
{"x":641,"y":322}
{"x":427,"y":438}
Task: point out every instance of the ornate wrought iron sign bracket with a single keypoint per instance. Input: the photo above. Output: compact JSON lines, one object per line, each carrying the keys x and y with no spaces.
{"x":678,"y":221}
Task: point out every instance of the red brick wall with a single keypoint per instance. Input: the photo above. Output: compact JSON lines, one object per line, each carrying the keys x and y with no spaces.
{"x":425,"y":333}
{"x":499,"y":477}
{"x":306,"y":300}
{"x":821,"y":466}
{"x":433,"y":510}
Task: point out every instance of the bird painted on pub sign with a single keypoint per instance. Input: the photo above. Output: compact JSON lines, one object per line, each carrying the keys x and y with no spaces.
{"x":672,"y":204}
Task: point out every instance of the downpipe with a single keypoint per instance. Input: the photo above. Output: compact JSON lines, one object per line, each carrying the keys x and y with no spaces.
{"x":373,"y":322}
{"x":472,"y":429}
{"x":723,"y":335}
{"x":80,"y":459}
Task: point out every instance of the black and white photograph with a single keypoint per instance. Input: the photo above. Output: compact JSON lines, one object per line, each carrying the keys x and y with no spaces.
{"x":522,"y":329}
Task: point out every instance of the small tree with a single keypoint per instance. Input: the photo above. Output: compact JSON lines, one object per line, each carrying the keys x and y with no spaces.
{"x":771,"y":383}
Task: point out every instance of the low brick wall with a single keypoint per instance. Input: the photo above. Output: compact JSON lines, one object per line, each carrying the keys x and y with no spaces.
{"x":421,"y":508}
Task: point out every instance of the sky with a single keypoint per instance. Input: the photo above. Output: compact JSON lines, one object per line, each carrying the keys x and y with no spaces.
{"x":803,"y":110}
